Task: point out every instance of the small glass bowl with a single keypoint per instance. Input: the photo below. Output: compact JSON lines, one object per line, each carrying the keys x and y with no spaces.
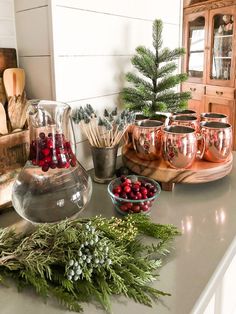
{"x":129,"y":206}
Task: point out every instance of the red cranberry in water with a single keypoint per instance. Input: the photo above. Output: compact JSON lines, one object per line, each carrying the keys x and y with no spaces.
{"x":42,"y":135}
{"x":45,"y":168}
{"x":46,"y":151}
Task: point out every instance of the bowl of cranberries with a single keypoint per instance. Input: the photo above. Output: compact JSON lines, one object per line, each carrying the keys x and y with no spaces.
{"x":133,"y":194}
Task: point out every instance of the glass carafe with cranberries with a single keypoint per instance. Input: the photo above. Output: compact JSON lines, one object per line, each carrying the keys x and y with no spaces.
{"x":53,"y":185}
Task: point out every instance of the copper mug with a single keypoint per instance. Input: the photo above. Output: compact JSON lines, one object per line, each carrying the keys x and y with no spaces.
{"x":213,"y":116}
{"x":180,"y":146}
{"x":185,"y":120}
{"x":146,"y":138}
{"x":218,"y":140}
{"x":129,"y":131}
{"x":185,"y":112}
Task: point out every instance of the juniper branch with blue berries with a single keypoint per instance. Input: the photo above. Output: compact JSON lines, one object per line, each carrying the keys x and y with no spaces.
{"x":87,"y":260}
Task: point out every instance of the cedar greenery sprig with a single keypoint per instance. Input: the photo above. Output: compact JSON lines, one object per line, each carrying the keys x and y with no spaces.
{"x":106,"y":130}
{"x":87,"y":259}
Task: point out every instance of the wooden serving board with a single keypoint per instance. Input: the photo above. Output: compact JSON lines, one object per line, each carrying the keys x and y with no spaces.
{"x":7,"y":59}
{"x":201,"y":171}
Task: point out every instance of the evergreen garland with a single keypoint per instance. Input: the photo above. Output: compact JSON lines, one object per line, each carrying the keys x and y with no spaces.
{"x":87,"y":259}
{"x":152,"y":90}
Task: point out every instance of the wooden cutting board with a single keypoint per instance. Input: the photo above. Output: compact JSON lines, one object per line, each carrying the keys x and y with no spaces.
{"x":7,"y":59}
{"x":3,"y":97}
{"x":3,"y":121}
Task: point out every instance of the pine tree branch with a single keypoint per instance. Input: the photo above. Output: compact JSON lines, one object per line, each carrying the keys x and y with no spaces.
{"x":138,"y":81}
{"x":166,"y":69}
{"x":167,"y":55}
{"x":170,"y":81}
{"x":145,"y":65}
{"x":157,"y":34}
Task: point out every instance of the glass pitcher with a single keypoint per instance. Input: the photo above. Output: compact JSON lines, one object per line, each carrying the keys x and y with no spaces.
{"x":52,"y":185}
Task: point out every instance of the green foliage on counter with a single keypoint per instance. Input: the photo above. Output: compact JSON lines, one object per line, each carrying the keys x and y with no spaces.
{"x":87,"y":260}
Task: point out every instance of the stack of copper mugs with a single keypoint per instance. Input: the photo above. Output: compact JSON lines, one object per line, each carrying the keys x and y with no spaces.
{"x":183,"y":138}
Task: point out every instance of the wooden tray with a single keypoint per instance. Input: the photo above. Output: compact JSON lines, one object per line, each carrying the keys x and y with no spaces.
{"x":201,"y":171}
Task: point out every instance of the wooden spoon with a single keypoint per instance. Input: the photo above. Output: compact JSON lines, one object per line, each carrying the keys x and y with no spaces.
{"x":3,"y":121}
{"x":14,"y":81}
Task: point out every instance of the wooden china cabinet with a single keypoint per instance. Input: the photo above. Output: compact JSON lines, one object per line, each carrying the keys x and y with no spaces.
{"x":210,"y":41}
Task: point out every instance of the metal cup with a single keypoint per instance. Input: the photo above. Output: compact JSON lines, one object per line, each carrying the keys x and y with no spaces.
{"x":129,"y":132}
{"x":185,"y":120}
{"x":185,"y":112}
{"x":147,"y":139}
{"x":218,"y":140}
{"x":180,"y":146}
{"x":213,"y":116}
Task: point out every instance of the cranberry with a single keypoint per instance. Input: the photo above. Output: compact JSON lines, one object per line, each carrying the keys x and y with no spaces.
{"x":47,"y":159}
{"x":123,"y":195}
{"x":153,"y":189}
{"x":136,"y":208}
{"x":34,"y":162}
{"x":124,"y":208}
{"x":73,"y":162}
{"x":122,"y":178}
{"x":139,"y":195}
{"x":41,"y":163}
{"x":46,"y":151}
{"x":144,"y":208}
{"x":131,"y":195}
{"x":53,"y":165}
{"x":135,"y":197}
{"x":116,"y":194}
{"x":49,"y":143}
{"x":128,"y":181}
{"x":138,"y":183}
{"x":42,"y":135}
{"x":45,"y":168}
{"x":127,"y":189}
{"x":129,"y":205}
{"x":150,"y":194}
{"x":117,"y":189}
{"x":135,"y":188}
{"x":143,"y":190}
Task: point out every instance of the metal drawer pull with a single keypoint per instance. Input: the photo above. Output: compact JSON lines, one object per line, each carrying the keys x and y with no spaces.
{"x":219,"y":93}
{"x":193,"y":89}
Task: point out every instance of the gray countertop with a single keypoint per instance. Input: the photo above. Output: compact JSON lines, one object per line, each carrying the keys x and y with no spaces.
{"x":206,"y":215}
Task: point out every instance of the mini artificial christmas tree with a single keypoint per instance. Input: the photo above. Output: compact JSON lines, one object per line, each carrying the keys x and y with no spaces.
{"x":152,"y":91}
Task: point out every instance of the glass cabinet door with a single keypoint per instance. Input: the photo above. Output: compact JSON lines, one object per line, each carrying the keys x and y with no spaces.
{"x":221,"y":51}
{"x":195,"y":54}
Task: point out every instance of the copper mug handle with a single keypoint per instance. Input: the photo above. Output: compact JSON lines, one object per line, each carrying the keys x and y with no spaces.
{"x":201,"y":151}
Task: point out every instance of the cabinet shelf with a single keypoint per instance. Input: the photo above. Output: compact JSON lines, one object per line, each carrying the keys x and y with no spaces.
{"x":222,"y":57}
{"x":223,"y":36}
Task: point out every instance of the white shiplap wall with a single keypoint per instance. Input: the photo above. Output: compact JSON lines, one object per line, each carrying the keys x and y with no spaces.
{"x":78,"y":51}
{"x":33,"y":44}
{"x":7,"y":24}
{"x":93,"y":44}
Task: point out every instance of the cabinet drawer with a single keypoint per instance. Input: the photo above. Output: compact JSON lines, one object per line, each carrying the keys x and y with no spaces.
{"x":223,"y":92}
{"x":197,"y":90}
